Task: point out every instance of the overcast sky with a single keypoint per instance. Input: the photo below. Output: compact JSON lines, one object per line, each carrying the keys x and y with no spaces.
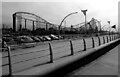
{"x":55,"y":10}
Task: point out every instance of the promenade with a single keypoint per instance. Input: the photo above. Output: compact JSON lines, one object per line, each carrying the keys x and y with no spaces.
{"x":36,"y":61}
{"x":105,"y":65}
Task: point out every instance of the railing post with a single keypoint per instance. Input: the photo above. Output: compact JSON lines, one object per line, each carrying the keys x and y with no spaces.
{"x":51,"y":53}
{"x":93,"y":43}
{"x":99,"y":40}
{"x":110,"y":37}
{"x":117,"y":37}
{"x":9,"y":60}
{"x":71,"y":47}
{"x":107,"y":39}
{"x":103,"y":40}
{"x":84,"y":43}
{"x":114,"y":37}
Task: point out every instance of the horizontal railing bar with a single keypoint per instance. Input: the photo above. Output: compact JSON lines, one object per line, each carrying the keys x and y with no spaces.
{"x":3,"y":48}
{"x":58,"y":47}
{"x":30,"y":59}
{"x":4,"y":65}
{"x":28,"y":53}
{"x":4,"y":56}
{"x":59,"y":52}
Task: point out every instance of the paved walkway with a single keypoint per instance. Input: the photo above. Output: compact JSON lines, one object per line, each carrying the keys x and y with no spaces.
{"x":105,"y":65}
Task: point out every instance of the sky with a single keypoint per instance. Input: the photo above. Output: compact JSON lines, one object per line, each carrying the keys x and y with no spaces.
{"x":55,"y":10}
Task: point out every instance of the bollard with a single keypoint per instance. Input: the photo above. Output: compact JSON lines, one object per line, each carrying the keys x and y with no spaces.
{"x":99,"y":40}
{"x":51,"y":53}
{"x":103,"y":40}
{"x":93,"y":43}
{"x":84,"y":44}
{"x":71,"y":47}
{"x":9,"y":60}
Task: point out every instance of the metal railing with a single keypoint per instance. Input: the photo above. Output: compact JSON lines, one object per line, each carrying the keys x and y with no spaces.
{"x":51,"y":53}
{"x":9,"y":64}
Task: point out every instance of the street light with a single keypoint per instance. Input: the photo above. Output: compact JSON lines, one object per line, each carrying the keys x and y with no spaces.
{"x":109,"y":26}
{"x":64,"y":19}
{"x":84,"y":12}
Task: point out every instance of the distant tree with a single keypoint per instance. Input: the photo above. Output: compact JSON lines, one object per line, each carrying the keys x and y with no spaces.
{"x":40,"y":31}
{"x":52,"y":30}
{"x":24,"y":31}
{"x":7,"y":30}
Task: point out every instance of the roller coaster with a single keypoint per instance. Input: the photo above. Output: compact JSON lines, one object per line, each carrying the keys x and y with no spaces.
{"x":26,"y":20}
{"x":29,"y":20}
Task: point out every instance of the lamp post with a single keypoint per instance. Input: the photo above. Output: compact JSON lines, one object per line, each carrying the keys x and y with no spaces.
{"x":109,"y":27}
{"x":84,"y":12}
{"x":63,"y":20}
{"x":100,"y":26}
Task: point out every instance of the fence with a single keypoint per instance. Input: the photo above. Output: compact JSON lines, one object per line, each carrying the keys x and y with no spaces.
{"x":50,"y":53}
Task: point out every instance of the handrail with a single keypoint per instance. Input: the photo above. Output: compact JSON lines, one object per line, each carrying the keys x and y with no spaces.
{"x":29,"y":52}
{"x":30,"y":59}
